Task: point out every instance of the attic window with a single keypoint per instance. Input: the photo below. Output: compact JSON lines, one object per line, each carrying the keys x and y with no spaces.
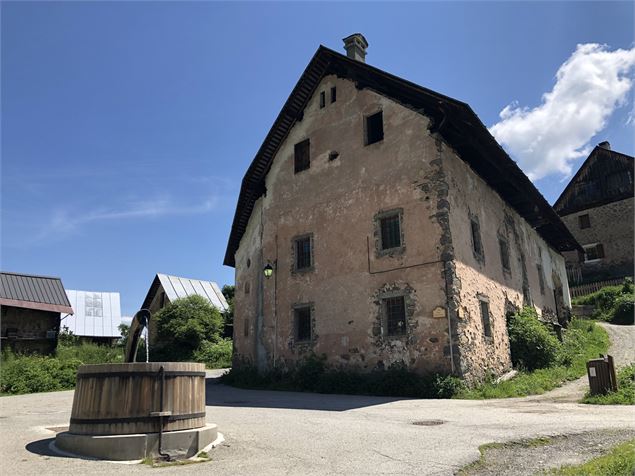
{"x":374,"y":128}
{"x":585,"y":221}
{"x":504,"y":247}
{"x":477,"y":245}
{"x":333,"y":94}
{"x":302,"y":158}
{"x":322,"y":99}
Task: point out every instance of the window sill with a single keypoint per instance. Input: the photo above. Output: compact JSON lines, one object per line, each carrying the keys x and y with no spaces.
{"x":304,"y":270}
{"x":591,"y":261}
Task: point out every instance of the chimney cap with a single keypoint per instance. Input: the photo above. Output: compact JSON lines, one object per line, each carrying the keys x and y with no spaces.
{"x":605,"y":145}
{"x":355,"y":46}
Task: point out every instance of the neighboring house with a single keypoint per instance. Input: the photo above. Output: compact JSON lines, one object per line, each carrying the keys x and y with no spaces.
{"x":30,"y":312}
{"x":97,"y":316}
{"x":165,"y":289}
{"x":597,"y":207}
{"x":394,"y":229}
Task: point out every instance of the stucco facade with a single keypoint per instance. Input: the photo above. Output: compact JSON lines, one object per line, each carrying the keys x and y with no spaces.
{"x":338,"y":201}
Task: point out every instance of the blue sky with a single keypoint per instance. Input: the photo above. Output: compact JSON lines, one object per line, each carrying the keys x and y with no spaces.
{"x":127,"y":127}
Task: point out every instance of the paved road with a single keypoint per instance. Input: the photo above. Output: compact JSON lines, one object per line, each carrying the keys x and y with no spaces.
{"x":273,"y":433}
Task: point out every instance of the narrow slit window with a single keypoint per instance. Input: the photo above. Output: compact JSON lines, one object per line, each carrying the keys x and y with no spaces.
{"x":302,"y":158}
{"x":585,"y":221}
{"x":487,"y":326}
{"x":303,"y":254}
{"x":476,"y":238}
{"x":390,"y":232}
{"x":504,"y":247}
{"x":375,"y":128}
{"x":246,"y":328}
{"x":541,"y":278}
{"x":322,"y":99}
{"x":395,"y":310}
{"x":333,"y":94}
{"x":302,"y":317}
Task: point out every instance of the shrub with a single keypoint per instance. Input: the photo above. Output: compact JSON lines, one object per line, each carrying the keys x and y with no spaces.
{"x":623,"y":312}
{"x":28,"y":374}
{"x":612,"y":303}
{"x":182,"y":327}
{"x":532,"y":345}
{"x":215,"y":355}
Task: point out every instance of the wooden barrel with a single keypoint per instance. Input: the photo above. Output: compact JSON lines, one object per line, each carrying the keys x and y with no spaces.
{"x":119,"y":399}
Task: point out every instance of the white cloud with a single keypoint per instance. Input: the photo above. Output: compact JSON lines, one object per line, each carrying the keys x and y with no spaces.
{"x":590,"y":85}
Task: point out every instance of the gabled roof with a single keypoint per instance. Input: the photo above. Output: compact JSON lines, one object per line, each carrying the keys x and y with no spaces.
{"x":97,"y":314}
{"x":28,"y":291}
{"x":176,"y":287}
{"x":605,"y":176}
{"x":453,"y":120}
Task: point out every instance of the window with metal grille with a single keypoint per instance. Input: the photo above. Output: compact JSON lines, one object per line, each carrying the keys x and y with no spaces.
{"x":593,"y":252}
{"x":585,"y":221}
{"x":476,"y":237}
{"x":333,"y":94}
{"x":541,"y":279}
{"x":504,"y":247}
{"x":390,"y":232}
{"x":303,"y":253}
{"x":302,"y":317}
{"x":322,"y":99}
{"x":302,"y":158}
{"x":395,"y":310}
{"x":374,"y":128}
{"x":487,"y":327}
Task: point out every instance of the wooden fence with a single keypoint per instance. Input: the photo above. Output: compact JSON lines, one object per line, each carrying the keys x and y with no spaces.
{"x":584,"y":289}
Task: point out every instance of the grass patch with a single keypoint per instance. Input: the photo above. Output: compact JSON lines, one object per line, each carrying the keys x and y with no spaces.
{"x":620,"y":461}
{"x":583,"y":340}
{"x":202,"y":457}
{"x":625,"y":394}
{"x":478,"y":464}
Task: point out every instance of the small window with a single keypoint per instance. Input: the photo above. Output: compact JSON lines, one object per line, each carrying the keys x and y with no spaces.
{"x":302,"y":156}
{"x":487,"y":327}
{"x":374,"y":128}
{"x":302,"y":317}
{"x":585,"y":221}
{"x":390,"y":232}
{"x":395,"y":310}
{"x":594,"y":252}
{"x":247,"y":289}
{"x":333,"y":94}
{"x":333,"y":155}
{"x":303,"y":254}
{"x":504,"y":247}
{"x":541,"y":278}
{"x":246,"y":328}
{"x":476,"y":238}
{"x":322,"y":99}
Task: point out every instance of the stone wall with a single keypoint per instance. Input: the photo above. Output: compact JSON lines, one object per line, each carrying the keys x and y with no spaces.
{"x":483,"y":277}
{"x":612,"y":226}
{"x":32,"y":326}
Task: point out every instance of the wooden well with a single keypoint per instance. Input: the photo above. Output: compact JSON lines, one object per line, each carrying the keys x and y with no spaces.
{"x":119,"y":399}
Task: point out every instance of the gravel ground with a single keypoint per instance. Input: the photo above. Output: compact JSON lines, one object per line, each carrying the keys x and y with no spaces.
{"x":522,"y":459}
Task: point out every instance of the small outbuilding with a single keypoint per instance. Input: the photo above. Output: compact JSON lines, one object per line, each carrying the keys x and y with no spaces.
{"x":31,"y":308}
{"x":166,"y":289}
{"x":97,"y":316}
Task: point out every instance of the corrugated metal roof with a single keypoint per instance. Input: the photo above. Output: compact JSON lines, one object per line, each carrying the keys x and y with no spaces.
{"x":29,"y":291}
{"x":97,"y":314}
{"x":176,"y":287}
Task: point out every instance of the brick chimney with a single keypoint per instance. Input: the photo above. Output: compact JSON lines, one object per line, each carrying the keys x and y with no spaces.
{"x":605,"y":145}
{"x":355,"y":46}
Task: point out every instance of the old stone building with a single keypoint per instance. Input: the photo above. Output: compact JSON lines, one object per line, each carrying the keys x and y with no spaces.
{"x":31,"y":308}
{"x":597,"y":207}
{"x":392,"y":226}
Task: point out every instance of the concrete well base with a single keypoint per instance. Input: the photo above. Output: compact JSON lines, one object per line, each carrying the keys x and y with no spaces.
{"x":178,"y":444}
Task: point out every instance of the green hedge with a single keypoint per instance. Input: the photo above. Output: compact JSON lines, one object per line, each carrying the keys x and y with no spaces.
{"x":314,"y":375}
{"x":215,"y":355}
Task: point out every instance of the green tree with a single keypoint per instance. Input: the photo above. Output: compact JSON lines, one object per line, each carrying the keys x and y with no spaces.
{"x":228,"y":316}
{"x":182,"y":328}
